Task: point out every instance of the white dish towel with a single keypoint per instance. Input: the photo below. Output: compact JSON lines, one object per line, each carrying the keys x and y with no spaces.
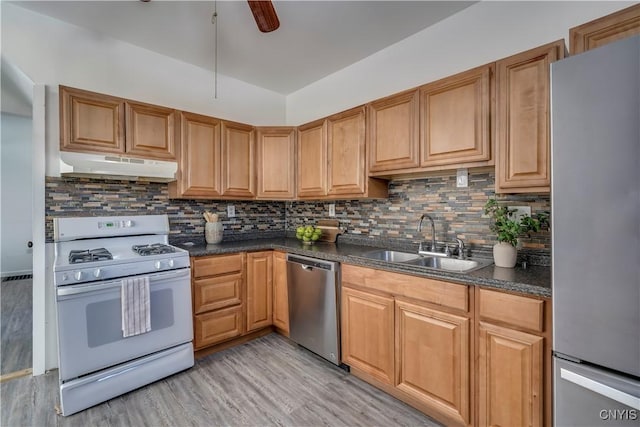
{"x":136,"y":307}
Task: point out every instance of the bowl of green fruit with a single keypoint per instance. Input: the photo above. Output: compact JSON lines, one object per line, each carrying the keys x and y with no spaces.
{"x":308,"y":234}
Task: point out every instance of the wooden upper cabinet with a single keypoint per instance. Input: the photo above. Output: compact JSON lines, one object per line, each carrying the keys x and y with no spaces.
{"x":97,"y":123}
{"x":238,"y":157}
{"x":276,"y":163}
{"x":150,"y":131}
{"x":346,"y":148}
{"x":455,"y":119}
{"x":199,"y":172}
{"x":616,"y":26}
{"x":259,"y":290}
{"x":312,"y":160}
{"x":523,"y":121}
{"x":393,"y":130}
{"x":91,"y":122}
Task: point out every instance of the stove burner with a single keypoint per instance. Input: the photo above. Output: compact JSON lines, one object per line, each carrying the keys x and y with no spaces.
{"x":155,"y":249}
{"x":99,"y":254}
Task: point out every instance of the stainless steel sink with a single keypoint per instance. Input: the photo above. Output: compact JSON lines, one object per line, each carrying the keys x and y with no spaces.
{"x":449,"y":264}
{"x":390,"y":256}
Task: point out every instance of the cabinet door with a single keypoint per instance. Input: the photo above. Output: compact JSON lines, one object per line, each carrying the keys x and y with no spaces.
{"x":393,"y":129}
{"x":276,"y":163}
{"x":259,"y":290}
{"x":280,"y":292}
{"x":523,"y":122}
{"x":199,"y":171}
{"x":346,"y":152}
{"x":367,"y":333}
{"x":432,"y":359}
{"x":217,"y":326}
{"x":616,"y":26}
{"x":312,"y":160}
{"x":91,"y":122}
{"x":238,"y":156}
{"x":455,"y":119}
{"x":510,"y":372}
{"x":150,"y":131}
{"x":217,"y":292}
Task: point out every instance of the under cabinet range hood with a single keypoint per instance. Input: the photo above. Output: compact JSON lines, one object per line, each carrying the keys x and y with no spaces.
{"x":116,"y":167}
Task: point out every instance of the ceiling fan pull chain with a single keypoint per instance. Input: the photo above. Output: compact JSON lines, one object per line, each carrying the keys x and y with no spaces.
{"x":214,"y":21}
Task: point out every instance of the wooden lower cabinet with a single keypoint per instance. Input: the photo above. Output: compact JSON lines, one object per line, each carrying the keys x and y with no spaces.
{"x":367,"y":333}
{"x":432,"y":359}
{"x":259,"y":290}
{"x":510,"y":377}
{"x":280,"y":293}
{"x":217,"y":326}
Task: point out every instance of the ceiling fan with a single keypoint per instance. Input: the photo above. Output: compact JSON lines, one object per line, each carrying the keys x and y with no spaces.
{"x":263,"y":12}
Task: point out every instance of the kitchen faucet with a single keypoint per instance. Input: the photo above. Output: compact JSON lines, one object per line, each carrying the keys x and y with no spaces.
{"x":433,"y":232}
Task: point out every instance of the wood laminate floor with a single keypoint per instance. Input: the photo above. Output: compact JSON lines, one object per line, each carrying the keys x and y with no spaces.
{"x":267,"y":382}
{"x":16,"y":320}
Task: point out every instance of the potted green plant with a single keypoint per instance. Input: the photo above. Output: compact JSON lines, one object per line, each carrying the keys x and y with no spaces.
{"x":508,"y":229}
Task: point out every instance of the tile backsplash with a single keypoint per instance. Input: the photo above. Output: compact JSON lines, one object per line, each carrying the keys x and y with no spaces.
{"x":457,"y":211}
{"x":68,"y":197}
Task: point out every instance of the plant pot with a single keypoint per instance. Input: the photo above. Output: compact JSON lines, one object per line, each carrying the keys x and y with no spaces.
{"x":505,"y":255}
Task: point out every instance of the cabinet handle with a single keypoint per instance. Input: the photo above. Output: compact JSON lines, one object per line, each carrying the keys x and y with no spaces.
{"x":601,"y":389}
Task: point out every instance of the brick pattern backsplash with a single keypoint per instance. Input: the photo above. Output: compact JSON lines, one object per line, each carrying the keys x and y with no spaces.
{"x":457,"y":212}
{"x":69,"y":197}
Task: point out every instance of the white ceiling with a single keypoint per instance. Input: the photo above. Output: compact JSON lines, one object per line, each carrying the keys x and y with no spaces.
{"x":315,"y":38}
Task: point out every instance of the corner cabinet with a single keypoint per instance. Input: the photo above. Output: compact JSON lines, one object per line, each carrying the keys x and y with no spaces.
{"x":332,"y":161}
{"x":97,"y":123}
{"x":276,"y":163}
{"x":455,"y":119}
{"x":259,"y":290}
{"x":199,"y":174}
{"x":523,"y":121}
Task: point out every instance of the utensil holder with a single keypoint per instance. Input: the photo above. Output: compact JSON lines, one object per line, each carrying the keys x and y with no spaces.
{"x":213,"y":232}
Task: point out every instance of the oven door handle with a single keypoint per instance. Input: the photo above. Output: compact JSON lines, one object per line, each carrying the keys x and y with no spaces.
{"x":69,"y":290}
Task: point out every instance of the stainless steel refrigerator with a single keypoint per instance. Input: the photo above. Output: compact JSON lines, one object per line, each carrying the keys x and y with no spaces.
{"x":595,"y":203}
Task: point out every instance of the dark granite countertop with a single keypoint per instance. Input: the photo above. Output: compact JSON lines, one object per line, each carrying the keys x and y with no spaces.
{"x":533,"y":280}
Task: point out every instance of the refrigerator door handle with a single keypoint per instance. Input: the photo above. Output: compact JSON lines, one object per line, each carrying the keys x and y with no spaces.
{"x":601,"y":389}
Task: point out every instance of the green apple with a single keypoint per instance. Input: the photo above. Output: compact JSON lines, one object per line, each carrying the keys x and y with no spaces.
{"x":300,"y":230}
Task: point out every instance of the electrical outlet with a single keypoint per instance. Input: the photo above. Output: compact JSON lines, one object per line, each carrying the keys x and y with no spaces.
{"x":520,"y":211}
{"x":231,"y":211}
{"x":332,"y":210}
{"x":462,"y":178}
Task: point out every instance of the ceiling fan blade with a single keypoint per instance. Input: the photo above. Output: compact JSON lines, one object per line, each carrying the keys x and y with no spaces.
{"x":265,"y":15}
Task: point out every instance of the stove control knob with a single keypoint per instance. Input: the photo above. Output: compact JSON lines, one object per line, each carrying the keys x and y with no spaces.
{"x":77,"y":275}
{"x":158,"y":265}
{"x":97,"y":273}
{"x":128,"y":223}
{"x":65,"y":277}
{"x":170,"y":263}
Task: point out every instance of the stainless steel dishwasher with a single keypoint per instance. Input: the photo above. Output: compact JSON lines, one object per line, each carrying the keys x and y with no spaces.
{"x":314,"y":301}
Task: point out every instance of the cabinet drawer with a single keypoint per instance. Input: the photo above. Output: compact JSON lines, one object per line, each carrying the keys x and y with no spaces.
{"x":436,"y":292}
{"x":221,"y":264}
{"x":217,"y":292}
{"x":527,"y":313}
{"x":217,"y":326}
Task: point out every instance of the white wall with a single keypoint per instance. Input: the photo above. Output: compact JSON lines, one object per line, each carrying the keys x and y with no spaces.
{"x":52,"y":52}
{"x":482,"y":33}
{"x":15,"y":195}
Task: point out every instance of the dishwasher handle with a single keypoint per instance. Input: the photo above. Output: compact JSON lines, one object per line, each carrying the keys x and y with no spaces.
{"x":308,"y":264}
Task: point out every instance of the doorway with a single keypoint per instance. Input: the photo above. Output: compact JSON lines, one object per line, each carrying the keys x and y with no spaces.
{"x":16,"y":201}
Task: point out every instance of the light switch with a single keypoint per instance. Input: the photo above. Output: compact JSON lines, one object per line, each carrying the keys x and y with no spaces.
{"x":462,"y":178}
{"x":332,"y":210}
{"x":231,"y":211}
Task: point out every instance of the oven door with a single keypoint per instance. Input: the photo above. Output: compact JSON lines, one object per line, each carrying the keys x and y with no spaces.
{"x":90,"y":322}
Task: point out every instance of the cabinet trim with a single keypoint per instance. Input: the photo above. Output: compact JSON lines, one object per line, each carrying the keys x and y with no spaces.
{"x":609,"y":28}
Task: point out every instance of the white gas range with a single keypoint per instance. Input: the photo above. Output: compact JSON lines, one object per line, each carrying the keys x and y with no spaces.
{"x":123,"y":302}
